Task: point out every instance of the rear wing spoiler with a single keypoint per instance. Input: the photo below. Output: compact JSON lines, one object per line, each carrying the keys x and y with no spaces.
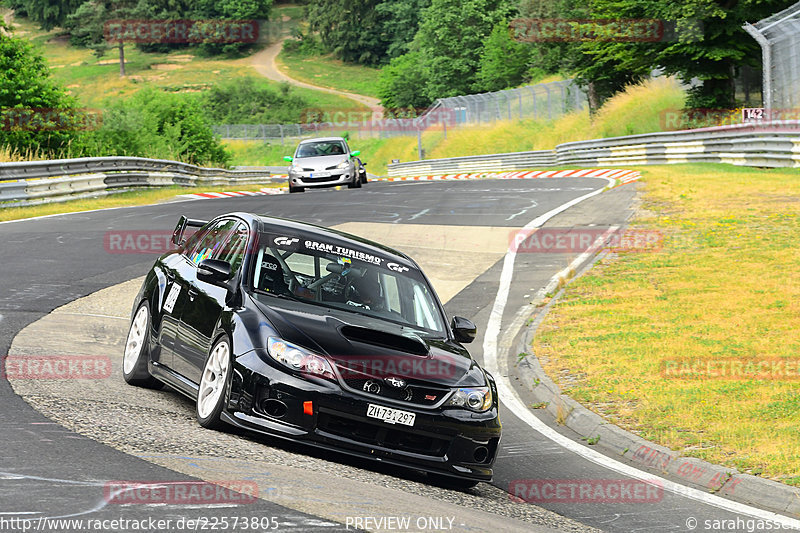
{"x":183,"y":223}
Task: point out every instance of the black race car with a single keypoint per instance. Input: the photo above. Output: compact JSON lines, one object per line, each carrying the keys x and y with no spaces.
{"x":317,"y":336}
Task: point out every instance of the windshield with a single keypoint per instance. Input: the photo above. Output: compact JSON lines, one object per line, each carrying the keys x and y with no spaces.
{"x":345,"y":278}
{"x":320,"y":149}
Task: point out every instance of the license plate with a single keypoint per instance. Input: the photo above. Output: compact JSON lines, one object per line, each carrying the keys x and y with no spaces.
{"x":391,"y":416}
{"x":320,"y":175}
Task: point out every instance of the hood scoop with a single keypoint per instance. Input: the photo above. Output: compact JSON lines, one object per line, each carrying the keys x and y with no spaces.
{"x":411,"y":344}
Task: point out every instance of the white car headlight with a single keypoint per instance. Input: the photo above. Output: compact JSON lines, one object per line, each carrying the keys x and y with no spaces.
{"x":477,"y":399}
{"x":343,"y":164}
{"x":299,"y":359}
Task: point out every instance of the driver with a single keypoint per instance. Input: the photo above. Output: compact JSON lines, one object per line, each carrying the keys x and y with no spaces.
{"x":366,"y":291}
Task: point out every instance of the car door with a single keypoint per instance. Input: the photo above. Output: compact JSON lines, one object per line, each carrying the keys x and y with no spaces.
{"x":174,"y":268}
{"x":204,"y":302}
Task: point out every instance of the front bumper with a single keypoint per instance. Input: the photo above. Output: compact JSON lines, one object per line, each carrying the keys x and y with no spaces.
{"x":453,"y":442}
{"x":312,"y":179}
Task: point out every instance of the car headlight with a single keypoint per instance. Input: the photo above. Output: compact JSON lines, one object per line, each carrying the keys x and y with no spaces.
{"x":299,"y":359}
{"x":343,"y":164}
{"x":477,"y":399}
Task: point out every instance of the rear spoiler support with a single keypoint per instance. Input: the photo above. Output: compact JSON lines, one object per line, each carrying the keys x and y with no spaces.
{"x":183,"y":223}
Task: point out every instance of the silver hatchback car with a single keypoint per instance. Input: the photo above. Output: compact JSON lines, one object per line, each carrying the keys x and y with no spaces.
{"x":325,"y":162}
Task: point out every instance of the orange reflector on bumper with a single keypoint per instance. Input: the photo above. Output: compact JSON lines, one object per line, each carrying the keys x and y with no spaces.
{"x":308,"y":408}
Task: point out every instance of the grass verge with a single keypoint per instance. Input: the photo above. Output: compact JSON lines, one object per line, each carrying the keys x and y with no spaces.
{"x":325,"y":71}
{"x":260,"y":153}
{"x":725,"y":285}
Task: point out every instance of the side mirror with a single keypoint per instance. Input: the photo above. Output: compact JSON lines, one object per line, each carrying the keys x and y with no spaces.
{"x":288,"y":158}
{"x":355,"y":154}
{"x":363,"y":164}
{"x":215,"y":272}
{"x":463,"y":329}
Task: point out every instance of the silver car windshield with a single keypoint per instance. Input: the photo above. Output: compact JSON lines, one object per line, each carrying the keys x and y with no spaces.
{"x":320,"y":149}
{"x":346,"y":279}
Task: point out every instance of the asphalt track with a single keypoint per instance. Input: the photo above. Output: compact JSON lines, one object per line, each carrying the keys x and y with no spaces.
{"x":49,"y":262}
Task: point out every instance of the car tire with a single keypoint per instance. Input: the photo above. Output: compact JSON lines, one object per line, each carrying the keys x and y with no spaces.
{"x":213,"y":385}
{"x":364,"y":178}
{"x":137,"y":351}
{"x":356,"y":183}
{"x":295,"y":189}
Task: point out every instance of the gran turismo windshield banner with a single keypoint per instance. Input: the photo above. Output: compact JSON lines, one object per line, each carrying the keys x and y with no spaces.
{"x":319,"y":247}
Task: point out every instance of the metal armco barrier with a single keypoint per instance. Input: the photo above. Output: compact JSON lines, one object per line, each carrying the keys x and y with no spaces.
{"x":773,"y":144}
{"x":35,"y":182}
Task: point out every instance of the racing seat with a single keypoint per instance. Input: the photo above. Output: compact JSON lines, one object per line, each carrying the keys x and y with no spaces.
{"x":271,"y":277}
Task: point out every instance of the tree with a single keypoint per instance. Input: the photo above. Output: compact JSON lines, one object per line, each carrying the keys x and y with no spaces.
{"x":47,"y":13}
{"x":88,"y":25}
{"x":351,"y":29}
{"x":709,"y":42}
{"x":450,"y":39}
{"x":400,"y":84}
{"x":503,"y":62}
{"x":37,"y":114}
{"x":400,"y":22}
{"x":227,"y":10}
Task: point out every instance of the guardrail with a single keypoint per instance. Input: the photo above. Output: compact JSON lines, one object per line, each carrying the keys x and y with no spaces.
{"x":35,"y":182}
{"x":773,"y":144}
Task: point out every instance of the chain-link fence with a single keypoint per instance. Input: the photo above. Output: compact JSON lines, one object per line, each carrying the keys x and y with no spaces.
{"x":543,"y":101}
{"x":779,"y":37}
{"x":346,"y":123}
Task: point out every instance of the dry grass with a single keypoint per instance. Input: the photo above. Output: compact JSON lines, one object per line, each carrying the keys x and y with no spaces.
{"x":9,"y":154}
{"x":638,"y":109}
{"x":726,"y":285}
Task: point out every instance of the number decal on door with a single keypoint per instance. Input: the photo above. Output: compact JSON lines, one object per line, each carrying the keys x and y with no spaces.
{"x":172,"y":297}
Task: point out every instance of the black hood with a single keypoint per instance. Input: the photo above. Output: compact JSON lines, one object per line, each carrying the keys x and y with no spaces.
{"x":356,"y":343}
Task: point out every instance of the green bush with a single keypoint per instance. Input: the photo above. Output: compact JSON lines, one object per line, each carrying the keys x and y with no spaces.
{"x":402,"y":83}
{"x":303,"y":44}
{"x":158,"y":125}
{"x":248,"y":101}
